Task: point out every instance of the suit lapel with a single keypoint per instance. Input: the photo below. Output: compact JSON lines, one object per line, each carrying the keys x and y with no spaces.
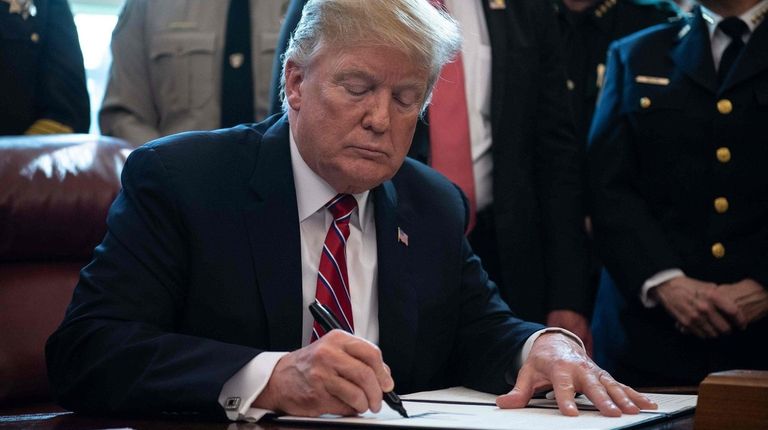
{"x":753,"y":60}
{"x":398,"y":310}
{"x":273,"y":219}
{"x":693,"y":54}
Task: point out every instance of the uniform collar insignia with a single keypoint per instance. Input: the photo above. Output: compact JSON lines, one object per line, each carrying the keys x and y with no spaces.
{"x":25,"y":8}
{"x":604,"y":7}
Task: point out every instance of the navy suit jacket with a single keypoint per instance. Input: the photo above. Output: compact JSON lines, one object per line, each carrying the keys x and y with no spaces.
{"x":656,"y":170}
{"x":200,"y":271}
{"x":537,"y":163}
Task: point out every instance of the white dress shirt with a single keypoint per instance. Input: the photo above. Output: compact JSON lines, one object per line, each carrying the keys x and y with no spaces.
{"x":476,"y":56}
{"x":718,"y":42}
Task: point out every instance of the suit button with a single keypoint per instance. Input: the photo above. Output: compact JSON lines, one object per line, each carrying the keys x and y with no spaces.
{"x":718,"y":250}
{"x":724,"y":106}
{"x":645,"y":102}
{"x":723,"y":155}
{"x":721,"y":205}
{"x":34,"y":37}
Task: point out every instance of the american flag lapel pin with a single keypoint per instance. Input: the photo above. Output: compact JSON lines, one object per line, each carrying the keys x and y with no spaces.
{"x":402,"y":237}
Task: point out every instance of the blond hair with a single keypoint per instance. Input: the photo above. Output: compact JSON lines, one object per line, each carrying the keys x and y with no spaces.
{"x":426,"y":34}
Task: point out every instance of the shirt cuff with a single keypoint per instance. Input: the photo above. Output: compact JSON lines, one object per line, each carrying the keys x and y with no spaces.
{"x":239,"y":392}
{"x":655,"y":281}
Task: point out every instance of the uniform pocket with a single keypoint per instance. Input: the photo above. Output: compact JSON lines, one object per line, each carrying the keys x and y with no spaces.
{"x":182,"y":69}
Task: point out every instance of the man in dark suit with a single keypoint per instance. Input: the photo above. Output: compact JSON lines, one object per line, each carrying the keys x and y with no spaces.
{"x":193,"y":302}
{"x":527,"y":166}
{"x":677,"y":168}
{"x":42,"y":77}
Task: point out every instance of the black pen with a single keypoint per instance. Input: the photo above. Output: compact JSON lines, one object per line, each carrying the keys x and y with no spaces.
{"x":328,"y":322}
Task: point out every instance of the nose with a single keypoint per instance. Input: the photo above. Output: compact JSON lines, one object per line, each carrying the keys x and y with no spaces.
{"x":376,"y":116}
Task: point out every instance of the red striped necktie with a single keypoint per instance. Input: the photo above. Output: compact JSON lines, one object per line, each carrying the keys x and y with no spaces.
{"x":332,"y":281}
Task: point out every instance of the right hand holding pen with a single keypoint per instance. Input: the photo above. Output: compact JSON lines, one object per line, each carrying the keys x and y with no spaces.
{"x":337,"y":374}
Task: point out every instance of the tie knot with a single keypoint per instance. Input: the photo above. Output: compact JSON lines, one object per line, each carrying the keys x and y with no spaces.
{"x":341,"y":206}
{"x":733,"y":27}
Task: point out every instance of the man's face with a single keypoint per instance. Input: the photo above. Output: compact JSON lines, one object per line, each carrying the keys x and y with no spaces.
{"x":353,"y":113}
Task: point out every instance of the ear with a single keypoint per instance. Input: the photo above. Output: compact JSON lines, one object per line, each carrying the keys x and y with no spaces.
{"x":294,"y":76}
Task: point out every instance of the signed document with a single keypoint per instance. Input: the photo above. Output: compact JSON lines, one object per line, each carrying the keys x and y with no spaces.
{"x":462,"y":408}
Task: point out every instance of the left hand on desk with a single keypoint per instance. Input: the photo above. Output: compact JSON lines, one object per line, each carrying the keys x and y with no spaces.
{"x":558,"y":362}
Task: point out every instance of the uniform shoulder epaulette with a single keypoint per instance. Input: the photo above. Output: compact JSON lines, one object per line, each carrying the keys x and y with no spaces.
{"x":662,"y":5}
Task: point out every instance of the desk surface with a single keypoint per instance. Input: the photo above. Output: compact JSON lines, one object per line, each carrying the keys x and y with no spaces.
{"x":70,"y":421}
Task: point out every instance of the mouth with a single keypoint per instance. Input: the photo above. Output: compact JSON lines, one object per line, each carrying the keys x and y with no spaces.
{"x":368,"y":152}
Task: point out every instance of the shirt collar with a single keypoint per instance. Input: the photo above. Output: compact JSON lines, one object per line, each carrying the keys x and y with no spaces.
{"x":312,"y":192}
{"x":753,"y":17}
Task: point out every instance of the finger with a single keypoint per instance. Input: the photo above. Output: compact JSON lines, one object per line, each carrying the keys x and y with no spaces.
{"x":640,"y":399}
{"x":565,"y":394}
{"x":593,"y":388}
{"x":712,"y":320}
{"x":720,"y":324}
{"x":730,"y":309}
{"x":350,"y":394}
{"x":620,"y":394}
{"x":521,"y":393}
{"x":370,"y":355}
{"x":333,"y":352}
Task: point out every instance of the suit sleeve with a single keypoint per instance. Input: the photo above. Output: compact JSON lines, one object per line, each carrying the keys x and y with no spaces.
{"x":559,"y":167}
{"x":63,"y":96}
{"x":118,"y":349}
{"x":128,"y":110}
{"x":630,"y":240}
{"x":490,"y":338}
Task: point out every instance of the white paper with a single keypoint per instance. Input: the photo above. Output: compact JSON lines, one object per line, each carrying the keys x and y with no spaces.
{"x":462,"y":408}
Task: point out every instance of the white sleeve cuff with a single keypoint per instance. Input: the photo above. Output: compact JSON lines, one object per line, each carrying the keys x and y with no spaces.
{"x":532,"y":338}
{"x":239,"y":392}
{"x":655,"y":281}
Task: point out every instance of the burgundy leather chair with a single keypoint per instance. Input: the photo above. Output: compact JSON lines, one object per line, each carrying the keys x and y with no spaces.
{"x":54,"y":195}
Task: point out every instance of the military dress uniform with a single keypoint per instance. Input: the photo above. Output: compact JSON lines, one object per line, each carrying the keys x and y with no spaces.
{"x":42,"y":78}
{"x":678,"y":179}
{"x":585,"y":37}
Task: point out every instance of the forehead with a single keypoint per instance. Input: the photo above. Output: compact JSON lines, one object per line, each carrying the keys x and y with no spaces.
{"x":381,"y":63}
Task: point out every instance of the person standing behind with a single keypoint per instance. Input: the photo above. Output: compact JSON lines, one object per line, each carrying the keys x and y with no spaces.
{"x":587,"y":27}
{"x":42,"y":78}
{"x":677,"y":171}
{"x":183,"y":65}
{"x":525,"y":168}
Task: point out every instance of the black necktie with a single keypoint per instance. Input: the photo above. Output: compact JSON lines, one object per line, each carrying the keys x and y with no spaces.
{"x":734,"y":28}
{"x":237,"y":70}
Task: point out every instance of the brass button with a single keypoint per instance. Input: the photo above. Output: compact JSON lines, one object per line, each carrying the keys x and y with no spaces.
{"x":645,"y":102}
{"x":718,"y":250}
{"x":721,"y":205}
{"x":34,"y":37}
{"x":724,"y":106}
{"x":723,"y":155}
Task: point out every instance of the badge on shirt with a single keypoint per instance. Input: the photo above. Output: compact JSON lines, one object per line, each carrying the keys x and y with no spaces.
{"x":652,"y":80}
{"x":497,"y":4}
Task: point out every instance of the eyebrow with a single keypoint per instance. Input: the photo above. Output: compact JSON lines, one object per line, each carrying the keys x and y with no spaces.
{"x":411,"y":84}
